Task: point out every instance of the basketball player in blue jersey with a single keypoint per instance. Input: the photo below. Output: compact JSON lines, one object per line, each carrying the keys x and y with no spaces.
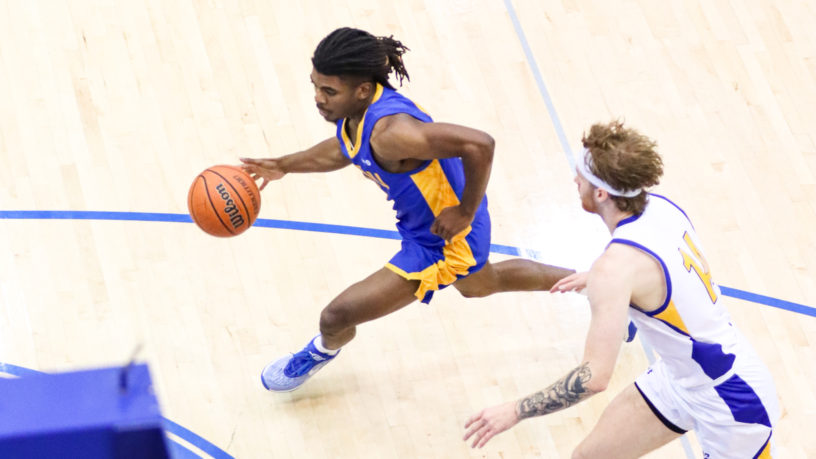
{"x":708,"y":377}
{"x":436,"y":174}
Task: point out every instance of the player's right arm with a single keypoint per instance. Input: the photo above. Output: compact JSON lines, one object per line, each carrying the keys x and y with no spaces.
{"x":609,"y":287}
{"x":326,"y":156}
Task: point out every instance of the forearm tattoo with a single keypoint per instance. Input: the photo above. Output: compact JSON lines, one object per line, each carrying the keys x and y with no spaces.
{"x":567,"y":391}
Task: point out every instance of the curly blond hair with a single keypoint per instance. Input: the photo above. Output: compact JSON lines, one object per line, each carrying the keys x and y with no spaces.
{"x":625,"y":159}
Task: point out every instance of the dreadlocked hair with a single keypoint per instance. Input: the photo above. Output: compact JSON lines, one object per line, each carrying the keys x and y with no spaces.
{"x":357,"y":53}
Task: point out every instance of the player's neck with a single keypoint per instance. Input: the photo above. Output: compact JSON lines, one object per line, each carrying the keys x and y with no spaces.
{"x":360,"y":112}
{"x":611,"y":215}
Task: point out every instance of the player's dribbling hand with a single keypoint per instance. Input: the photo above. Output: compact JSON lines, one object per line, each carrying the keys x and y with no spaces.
{"x":450,"y":222}
{"x":266,"y":169}
{"x":490,"y":422}
{"x":573,"y":282}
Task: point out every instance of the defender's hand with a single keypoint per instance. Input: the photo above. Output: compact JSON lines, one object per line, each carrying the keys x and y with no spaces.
{"x":490,"y":422}
{"x":573,"y":282}
{"x":450,"y":222}
{"x":267,"y":169}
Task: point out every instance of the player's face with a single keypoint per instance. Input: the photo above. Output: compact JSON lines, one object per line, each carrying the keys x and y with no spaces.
{"x":586,"y":193}
{"x":335,"y":98}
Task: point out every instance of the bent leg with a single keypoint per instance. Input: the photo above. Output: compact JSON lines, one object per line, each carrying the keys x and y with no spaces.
{"x":627,"y":428}
{"x":510,"y":276}
{"x":375,"y":296}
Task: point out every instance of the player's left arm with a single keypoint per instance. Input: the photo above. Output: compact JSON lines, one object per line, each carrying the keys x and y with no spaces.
{"x":400,"y":137}
{"x":609,"y":291}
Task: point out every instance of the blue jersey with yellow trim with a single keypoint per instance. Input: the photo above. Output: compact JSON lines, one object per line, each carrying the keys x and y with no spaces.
{"x":419,"y":195}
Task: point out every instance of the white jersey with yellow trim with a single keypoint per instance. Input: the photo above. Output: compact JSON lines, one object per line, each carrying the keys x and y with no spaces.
{"x":691,"y":330}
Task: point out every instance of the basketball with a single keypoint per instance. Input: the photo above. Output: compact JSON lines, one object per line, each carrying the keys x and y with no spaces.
{"x":224,"y":201}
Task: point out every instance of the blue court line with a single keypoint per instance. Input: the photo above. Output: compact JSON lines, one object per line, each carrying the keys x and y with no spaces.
{"x":17,"y":371}
{"x":92,"y":215}
{"x":768,"y":301}
{"x":194,"y":439}
{"x":179,"y":450}
{"x":185,"y":218}
{"x":340,"y":229}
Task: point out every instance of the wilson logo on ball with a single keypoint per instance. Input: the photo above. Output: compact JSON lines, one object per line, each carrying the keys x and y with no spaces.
{"x":229,"y":207}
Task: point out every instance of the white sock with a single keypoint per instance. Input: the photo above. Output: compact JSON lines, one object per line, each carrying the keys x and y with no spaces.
{"x":318,"y":342}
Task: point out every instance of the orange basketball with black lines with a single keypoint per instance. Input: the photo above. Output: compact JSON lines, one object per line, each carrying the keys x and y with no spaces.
{"x":224,"y":201}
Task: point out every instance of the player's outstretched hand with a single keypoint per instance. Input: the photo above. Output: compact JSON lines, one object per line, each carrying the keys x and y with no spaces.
{"x":574,"y":282}
{"x":267,"y":169}
{"x":490,"y":422}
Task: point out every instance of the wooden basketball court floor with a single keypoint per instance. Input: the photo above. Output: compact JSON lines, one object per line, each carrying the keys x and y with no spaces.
{"x":108,"y":109}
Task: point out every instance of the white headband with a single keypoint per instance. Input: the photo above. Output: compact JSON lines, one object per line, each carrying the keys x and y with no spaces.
{"x":581,"y":166}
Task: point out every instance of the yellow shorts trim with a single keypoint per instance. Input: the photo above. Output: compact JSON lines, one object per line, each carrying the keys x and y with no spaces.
{"x":457,"y":262}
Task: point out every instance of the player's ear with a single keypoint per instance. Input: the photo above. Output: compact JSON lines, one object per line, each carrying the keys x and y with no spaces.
{"x":364,"y":90}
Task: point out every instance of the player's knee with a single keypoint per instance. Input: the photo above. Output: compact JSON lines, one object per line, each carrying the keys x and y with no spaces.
{"x":478,"y":287}
{"x":479,"y":284}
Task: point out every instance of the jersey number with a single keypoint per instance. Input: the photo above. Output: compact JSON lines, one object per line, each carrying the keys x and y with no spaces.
{"x":375,"y":177}
{"x":700,"y":266}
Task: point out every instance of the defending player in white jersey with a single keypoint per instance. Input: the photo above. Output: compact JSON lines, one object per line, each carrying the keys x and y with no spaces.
{"x":654,"y":273}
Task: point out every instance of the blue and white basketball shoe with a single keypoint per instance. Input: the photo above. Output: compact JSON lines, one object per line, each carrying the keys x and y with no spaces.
{"x":288,"y":373}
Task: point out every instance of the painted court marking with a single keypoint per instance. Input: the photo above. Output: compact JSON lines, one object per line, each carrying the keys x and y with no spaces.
{"x":343,"y":229}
